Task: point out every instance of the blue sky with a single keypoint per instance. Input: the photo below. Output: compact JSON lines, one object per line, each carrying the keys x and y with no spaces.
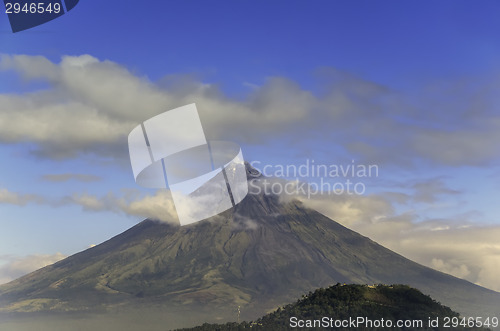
{"x":410,"y":87}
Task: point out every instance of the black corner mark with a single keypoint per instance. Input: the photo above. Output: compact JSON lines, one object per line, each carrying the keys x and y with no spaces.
{"x":70,"y":4}
{"x":26,"y":14}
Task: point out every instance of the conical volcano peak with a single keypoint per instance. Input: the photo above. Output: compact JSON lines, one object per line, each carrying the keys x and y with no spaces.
{"x":251,"y":171}
{"x":258,"y":255}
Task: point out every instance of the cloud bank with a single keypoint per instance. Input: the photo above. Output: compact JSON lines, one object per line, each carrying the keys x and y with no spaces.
{"x":458,"y":247}
{"x":158,"y":206}
{"x":90,"y":106}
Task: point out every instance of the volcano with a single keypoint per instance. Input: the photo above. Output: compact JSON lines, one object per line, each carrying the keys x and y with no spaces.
{"x":259,"y":255}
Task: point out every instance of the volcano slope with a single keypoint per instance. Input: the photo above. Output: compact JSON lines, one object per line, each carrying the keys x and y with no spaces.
{"x":260,"y":254}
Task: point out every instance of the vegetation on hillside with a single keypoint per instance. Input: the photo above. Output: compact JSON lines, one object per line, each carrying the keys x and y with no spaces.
{"x":339,"y":307}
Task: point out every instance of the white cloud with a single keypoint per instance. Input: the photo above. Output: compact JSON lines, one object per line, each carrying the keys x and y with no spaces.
{"x":92,"y":105}
{"x":457,"y":270}
{"x":18,"y":266}
{"x":158,"y":206}
{"x":490,"y":271}
{"x":67,"y":177}
{"x":428,"y":191}
{"x":13,"y":198}
{"x":89,"y":202}
{"x":466,"y":146}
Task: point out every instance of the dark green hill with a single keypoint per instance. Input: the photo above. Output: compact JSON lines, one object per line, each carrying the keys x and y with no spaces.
{"x":360,"y":307}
